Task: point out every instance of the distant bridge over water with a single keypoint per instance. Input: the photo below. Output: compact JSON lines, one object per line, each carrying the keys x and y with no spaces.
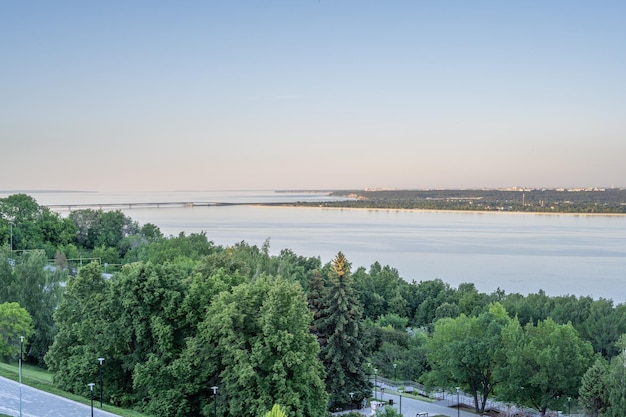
{"x":117,"y":206}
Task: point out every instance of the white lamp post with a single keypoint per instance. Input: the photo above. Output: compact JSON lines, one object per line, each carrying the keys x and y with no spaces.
{"x":375,"y":381}
{"x":91,"y":385}
{"x":20,"y":367}
{"x":101,"y":361}
{"x":394,"y":372}
{"x":214,"y":388}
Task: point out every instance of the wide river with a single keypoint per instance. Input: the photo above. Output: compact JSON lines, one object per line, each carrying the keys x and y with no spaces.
{"x":560,"y":254}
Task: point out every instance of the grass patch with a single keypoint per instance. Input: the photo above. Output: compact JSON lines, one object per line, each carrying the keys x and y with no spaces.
{"x":413,"y":396}
{"x":41,"y":379}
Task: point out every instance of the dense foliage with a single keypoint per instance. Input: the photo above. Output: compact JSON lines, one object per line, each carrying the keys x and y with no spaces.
{"x":174,"y":316}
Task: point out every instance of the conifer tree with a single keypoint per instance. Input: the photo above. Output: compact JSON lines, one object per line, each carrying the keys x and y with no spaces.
{"x":617,"y":382}
{"x":343,"y":354}
{"x":316,"y":297}
{"x":594,"y":388}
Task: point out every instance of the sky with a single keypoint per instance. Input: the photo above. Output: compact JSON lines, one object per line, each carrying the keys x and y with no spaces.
{"x":311,"y":94}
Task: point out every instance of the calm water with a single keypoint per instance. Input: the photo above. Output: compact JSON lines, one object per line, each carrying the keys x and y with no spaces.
{"x":561,"y":254}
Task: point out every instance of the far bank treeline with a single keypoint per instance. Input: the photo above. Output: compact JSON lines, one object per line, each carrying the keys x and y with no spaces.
{"x":581,"y":201}
{"x":180,"y":315}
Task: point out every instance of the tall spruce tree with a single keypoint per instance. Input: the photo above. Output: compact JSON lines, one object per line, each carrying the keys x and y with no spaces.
{"x":316,"y":297}
{"x":594,"y":388}
{"x":343,"y":354}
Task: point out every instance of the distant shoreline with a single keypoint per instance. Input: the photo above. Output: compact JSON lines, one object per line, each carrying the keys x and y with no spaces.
{"x":288,"y":205}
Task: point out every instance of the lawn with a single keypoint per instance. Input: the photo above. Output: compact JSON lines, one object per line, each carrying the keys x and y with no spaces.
{"x":41,"y":379}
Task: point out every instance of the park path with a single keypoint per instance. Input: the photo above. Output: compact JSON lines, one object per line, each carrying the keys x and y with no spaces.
{"x":37,"y":403}
{"x":411,"y":407}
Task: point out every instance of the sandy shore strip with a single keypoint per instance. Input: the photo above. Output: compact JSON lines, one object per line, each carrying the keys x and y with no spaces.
{"x":546,"y":213}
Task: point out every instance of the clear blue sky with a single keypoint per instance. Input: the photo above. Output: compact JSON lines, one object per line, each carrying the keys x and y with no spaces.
{"x":308,"y":94}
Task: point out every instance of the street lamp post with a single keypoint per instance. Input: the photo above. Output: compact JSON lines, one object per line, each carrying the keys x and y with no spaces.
{"x":101,"y":361}
{"x":375,"y":381}
{"x":458,"y":402}
{"x":20,"y":370}
{"x":400,"y":392}
{"x":351,"y":400}
{"x":394,"y":373}
{"x":214,"y":388}
{"x":91,"y":385}
{"x":569,"y":406}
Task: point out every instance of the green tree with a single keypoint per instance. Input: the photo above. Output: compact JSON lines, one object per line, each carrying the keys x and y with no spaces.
{"x":146,"y":327}
{"x":529,"y":309}
{"x":343,"y":355}
{"x":424,"y":299}
{"x":379,"y":291}
{"x":192,"y":247}
{"x":406,"y":349}
{"x":7,"y":261}
{"x":617,"y":382}
{"x":466,"y":351}
{"x":276,"y":411}
{"x":81,"y":323}
{"x":594,"y":388}
{"x":103,"y":228}
{"x":14,"y":323}
{"x":393,"y":320}
{"x":39,"y":290}
{"x":24,"y":224}
{"x":603,"y":326}
{"x":317,"y":296}
{"x":255,"y":345}
{"x":544,"y":364}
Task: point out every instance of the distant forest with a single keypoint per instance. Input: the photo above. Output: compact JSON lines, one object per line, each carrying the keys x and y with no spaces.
{"x":583,"y":201}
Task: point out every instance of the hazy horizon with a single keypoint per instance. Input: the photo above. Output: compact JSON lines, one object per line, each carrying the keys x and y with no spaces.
{"x":312,"y":95}
{"x":295,"y":190}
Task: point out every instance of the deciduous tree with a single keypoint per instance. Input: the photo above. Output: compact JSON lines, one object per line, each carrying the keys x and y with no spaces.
{"x":255,"y":345}
{"x":545,"y":364}
{"x":14,"y":323}
{"x":466,"y":351}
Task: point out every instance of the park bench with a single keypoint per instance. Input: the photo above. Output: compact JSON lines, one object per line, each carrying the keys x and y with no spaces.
{"x":424,"y":414}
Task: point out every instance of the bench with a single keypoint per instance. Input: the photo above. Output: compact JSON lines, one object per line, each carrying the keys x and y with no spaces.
{"x":424,"y":414}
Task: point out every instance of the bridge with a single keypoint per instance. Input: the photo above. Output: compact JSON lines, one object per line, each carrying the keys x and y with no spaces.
{"x":113,"y":206}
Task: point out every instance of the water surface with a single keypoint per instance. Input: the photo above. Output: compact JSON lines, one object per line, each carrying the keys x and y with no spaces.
{"x":561,"y":254}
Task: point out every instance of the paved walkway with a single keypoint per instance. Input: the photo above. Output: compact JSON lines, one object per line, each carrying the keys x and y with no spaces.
{"x":36,"y":403}
{"x":410,"y":407}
